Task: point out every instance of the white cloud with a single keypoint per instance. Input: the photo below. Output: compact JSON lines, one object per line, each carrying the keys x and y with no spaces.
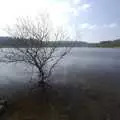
{"x":100,"y":32}
{"x":11,"y":9}
{"x":59,"y":9}
{"x":77,"y":9}
{"x":84,"y":7}
{"x":113,"y":25}
{"x":76,"y":1}
{"x":87,"y":26}
{"x":61,"y":12}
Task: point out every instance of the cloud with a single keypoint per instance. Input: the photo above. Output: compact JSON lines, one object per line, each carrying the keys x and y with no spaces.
{"x":85,"y":6}
{"x":112,"y":25}
{"x":76,"y":1}
{"x":59,"y":9}
{"x":78,"y":9}
{"x":62,"y":12}
{"x":87,"y":26}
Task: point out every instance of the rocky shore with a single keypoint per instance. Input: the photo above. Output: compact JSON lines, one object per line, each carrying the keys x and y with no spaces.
{"x":3,"y":106}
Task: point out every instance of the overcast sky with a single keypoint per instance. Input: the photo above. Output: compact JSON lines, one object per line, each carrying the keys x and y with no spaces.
{"x":95,"y":19}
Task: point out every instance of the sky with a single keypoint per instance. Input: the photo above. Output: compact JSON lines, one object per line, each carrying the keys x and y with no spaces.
{"x":94,"y":20}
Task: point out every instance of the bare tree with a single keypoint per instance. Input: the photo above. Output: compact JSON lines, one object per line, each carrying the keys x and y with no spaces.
{"x":33,"y":39}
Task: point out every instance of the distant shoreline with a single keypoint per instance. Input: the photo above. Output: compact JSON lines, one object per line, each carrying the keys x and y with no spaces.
{"x":8,"y":42}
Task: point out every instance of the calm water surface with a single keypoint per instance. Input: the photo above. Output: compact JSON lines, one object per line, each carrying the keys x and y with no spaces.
{"x":98,"y":67}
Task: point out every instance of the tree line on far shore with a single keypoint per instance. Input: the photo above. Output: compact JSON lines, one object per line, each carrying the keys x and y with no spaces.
{"x":9,"y":42}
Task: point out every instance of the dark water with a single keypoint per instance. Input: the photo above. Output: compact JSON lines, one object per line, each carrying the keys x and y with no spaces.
{"x":87,"y":82}
{"x":94,"y":67}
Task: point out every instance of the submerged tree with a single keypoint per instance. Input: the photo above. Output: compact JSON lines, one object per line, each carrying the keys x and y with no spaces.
{"x":36,"y":44}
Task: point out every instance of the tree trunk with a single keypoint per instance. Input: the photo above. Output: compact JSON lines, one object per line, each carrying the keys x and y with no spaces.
{"x":41,"y":82}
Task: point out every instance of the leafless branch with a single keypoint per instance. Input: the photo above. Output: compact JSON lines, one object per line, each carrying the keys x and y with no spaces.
{"x":35,"y":36}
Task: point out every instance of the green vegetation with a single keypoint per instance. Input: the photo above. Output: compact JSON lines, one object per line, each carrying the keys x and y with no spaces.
{"x":8,"y":42}
{"x":107,"y":44}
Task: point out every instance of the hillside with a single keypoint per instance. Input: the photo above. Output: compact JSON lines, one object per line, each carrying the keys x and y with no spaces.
{"x":111,"y":44}
{"x":8,"y":42}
